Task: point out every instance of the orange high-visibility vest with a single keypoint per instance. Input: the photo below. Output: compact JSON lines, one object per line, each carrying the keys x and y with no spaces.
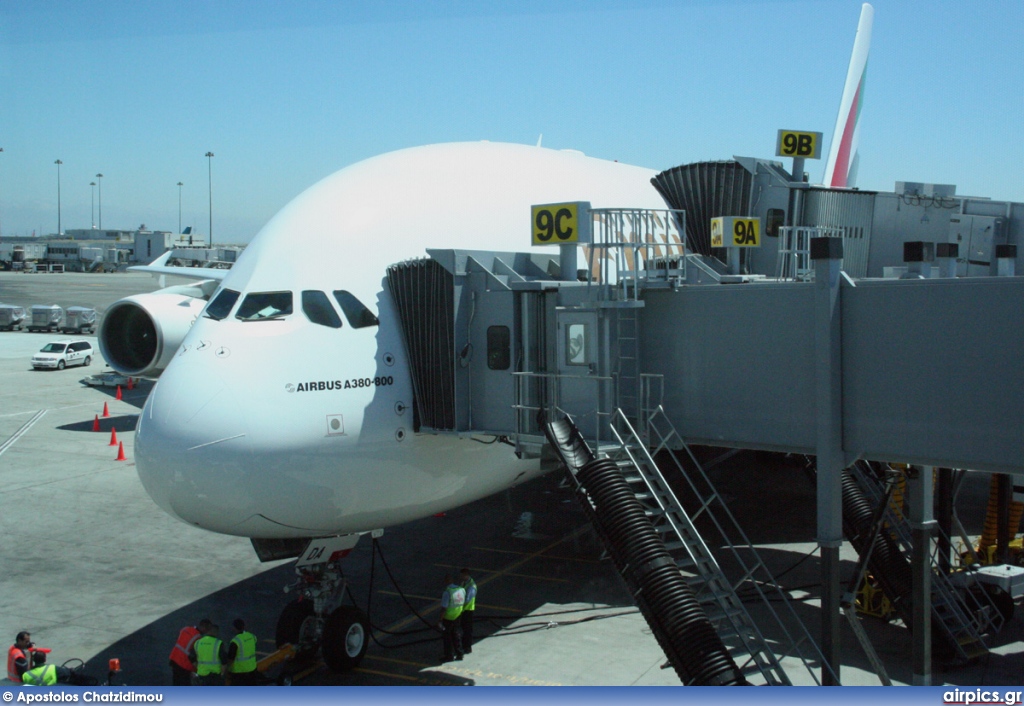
{"x":179,"y":654}
{"x":13,"y":654}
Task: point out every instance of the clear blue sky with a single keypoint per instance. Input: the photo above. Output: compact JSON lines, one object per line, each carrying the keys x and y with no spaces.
{"x":285,"y":93}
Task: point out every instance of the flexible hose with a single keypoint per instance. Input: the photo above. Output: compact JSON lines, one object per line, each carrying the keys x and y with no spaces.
{"x":678,"y":621}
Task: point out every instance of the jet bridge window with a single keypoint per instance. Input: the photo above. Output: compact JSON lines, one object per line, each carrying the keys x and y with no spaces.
{"x":221,"y":305}
{"x":775,"y":220}
{"x":499,"y":350}
{"x":261,"y":306}
{"x":355,"y":311}
{"x":317,"y":308}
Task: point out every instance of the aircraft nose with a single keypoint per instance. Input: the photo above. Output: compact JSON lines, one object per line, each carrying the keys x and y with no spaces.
{"x":192,"y":449}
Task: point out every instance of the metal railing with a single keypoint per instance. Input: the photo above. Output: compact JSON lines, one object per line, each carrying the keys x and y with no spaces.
{"x":535,"y":392}
{"x":633,"y":245}
{"x":793,"y":261}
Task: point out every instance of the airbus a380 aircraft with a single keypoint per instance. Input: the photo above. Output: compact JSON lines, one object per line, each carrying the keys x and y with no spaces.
{"x":284,"y":404}
{"x":285,"y":410}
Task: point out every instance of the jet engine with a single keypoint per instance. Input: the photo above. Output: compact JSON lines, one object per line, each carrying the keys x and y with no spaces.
{"x":141,"y":333}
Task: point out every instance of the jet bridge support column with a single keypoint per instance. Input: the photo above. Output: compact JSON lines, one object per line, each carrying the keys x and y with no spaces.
{"x":919,"y":491}
{"x":827,"y":254}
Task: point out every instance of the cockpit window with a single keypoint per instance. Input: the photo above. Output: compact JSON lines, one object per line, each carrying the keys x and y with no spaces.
{"x":317,"y":307}
{"x":260,"y":306}
{"x":221,"y":305}
{"x":355,"y":311}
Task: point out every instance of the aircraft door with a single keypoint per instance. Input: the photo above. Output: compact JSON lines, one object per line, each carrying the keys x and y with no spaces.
{"x":581,"y":390}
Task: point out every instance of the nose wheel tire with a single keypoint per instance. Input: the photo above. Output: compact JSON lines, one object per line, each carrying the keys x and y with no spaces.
{"x":291,"y":621}
{"x":346,"y":634}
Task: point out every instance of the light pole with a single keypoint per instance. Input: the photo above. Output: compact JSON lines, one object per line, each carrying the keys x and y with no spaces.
{"x":99,"y":178}
{"x":58,"y":163}
{"x":209,"y":160}
{"x":92,"y":206}
{"x":179,"y":207}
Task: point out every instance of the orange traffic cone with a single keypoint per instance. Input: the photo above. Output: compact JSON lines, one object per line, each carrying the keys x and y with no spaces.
{"x":120,"y":452}
{"x":106,"y":412}
{"x":131,"y":384}
{"x":113,"y":437}
{"x":96,"y":423}
{"x":118,"y":396}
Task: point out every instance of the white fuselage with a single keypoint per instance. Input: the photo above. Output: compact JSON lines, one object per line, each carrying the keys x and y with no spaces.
{"x":283,"y":427}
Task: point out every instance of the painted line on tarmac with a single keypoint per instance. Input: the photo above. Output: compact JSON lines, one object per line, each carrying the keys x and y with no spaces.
{"x":73,"y":406}
{"x":16,"y":414}
{"x":393,"y":660}
{"x":21,"y":432}
{"x":546,"y":556}
{"x":417,"y":679}
{"x":469,"y":672}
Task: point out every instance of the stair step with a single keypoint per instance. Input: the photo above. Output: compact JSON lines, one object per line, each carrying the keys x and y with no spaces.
{"x":972,"y":648}
{"x":716,"y":612}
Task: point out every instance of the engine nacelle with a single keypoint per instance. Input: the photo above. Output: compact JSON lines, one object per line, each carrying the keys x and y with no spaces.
{"x":140,"y":334}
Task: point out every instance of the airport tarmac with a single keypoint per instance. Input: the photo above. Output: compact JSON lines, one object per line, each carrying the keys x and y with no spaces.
{"x":95,"y":570}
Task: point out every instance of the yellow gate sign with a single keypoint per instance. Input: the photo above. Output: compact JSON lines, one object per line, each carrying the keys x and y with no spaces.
{"x":561,"y":223}
{"x":716,"y":233}
{"x":735,"y":232}
{"x":796,"y":143}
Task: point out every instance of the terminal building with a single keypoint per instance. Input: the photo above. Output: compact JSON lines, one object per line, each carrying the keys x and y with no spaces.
{"x":94,"y":250}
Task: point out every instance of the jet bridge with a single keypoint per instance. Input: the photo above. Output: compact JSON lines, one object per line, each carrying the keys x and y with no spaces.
{"x":918,"y":371}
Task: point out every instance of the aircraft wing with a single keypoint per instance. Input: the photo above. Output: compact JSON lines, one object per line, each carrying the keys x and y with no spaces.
{"x":159,"y":266}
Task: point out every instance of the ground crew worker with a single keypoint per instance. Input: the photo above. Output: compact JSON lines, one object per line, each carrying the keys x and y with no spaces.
{"x":208,"y":656}
{"x":18,"y":656}
{"x":468,"y":610}
{"x":43,"y":674}
{"x":182,"y":667}
{"x":242,"y":657}
{"x":452,"y":601}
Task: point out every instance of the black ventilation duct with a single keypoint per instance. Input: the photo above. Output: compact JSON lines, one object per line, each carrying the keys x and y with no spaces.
{"x":706,"y":190}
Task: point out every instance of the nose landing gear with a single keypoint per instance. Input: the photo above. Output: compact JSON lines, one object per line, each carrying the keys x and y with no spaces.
{"x":316,"y":620}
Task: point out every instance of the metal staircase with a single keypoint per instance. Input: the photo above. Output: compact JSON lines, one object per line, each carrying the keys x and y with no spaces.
{"x":722,"y":598}
{"x":961,"y":623}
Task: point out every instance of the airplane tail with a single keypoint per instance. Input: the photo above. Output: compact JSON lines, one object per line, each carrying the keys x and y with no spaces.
{"x":841,"y":167}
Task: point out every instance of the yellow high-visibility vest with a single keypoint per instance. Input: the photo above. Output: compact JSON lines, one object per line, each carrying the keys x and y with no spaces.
{"x":245,"y":653}
{"x":45,"y":675}
{"x":208,"y":655}
{"x":456,"y":600}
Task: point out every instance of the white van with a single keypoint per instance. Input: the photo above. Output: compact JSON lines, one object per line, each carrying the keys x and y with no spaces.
{"x":61,"y":354}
